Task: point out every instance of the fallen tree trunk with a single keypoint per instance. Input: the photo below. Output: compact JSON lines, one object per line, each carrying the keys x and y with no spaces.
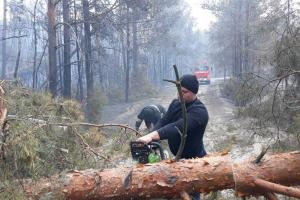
{"x":170,"y":179}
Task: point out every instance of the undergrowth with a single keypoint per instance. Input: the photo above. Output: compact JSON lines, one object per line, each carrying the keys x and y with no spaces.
{"x":37,"y":142}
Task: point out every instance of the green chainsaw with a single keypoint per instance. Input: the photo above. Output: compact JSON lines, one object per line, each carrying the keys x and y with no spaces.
{"x":147,"y":153}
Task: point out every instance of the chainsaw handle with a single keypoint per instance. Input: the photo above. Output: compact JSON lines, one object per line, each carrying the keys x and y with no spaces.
{"x":158,"y":145}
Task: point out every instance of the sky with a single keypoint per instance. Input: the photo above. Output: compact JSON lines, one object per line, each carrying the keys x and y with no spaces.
{"x":203,"y":18}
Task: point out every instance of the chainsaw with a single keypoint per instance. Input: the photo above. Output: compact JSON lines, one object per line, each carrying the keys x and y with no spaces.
{"x":147,"y":153}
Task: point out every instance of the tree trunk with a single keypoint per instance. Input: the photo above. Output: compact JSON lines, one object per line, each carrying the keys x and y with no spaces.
{"x":98,"y":46}
{"x":169,"y":179}
{"x":18,"y":55}
{"x":127,"y":56}
{"x":52,"y":48}
{"x":3,"y":75}
{"x":135,"y":47}
{"x":67,"y":50}
{"x":246,"y":39}
{"x":40,"y":63}
{"x":235,"y":36}
{"x":17,"y":61}
{"x":79,"y":93}
{"x":59,"y":54}
{"x":34,"y":71}
{"x":88,"y":56}
{"x":123,"y":47}
{"x":239,"y":39}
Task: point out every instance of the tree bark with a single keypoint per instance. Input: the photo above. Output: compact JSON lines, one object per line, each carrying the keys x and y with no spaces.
{"x":88,"y":56}
{"x":18,"y":57}
{"x":67,"y":50}
{"x":4,"y":29}
{"x":99,"y":50}
{"x":135,"y":47}
{"x":246,"y":37}
{"x":127,"y":56}
{"x":52,"y":48}
{"x":59,"y":54}
{"x":79,"y":93}
{"x":34,"y":71}
{"x":169,"y":179}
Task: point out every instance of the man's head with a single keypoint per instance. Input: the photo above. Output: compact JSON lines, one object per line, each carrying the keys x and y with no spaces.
{"x":189,"y":87}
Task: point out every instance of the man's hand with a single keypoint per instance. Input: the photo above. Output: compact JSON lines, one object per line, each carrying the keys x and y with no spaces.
{"x":146,"y":139}
{"x":149,"y":137}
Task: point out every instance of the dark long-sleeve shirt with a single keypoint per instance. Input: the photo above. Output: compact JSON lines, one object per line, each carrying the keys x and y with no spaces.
{"x":197,"y":118}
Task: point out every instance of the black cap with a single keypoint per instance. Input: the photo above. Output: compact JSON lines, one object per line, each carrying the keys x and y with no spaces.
{"x":190,"y":82}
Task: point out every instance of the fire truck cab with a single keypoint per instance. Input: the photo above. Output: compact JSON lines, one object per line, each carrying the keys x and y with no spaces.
{"x":203,"y":74}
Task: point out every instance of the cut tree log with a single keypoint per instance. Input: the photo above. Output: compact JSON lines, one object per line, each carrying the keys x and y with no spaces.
{"x":170,"y":179}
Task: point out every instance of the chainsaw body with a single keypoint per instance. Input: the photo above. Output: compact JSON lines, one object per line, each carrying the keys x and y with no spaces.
{"x":146,"y":153}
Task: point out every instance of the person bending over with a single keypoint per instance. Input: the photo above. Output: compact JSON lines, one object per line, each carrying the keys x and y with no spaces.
{"x":150,"y":114}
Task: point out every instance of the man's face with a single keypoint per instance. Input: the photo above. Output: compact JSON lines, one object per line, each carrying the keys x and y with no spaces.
{"x":188,"y":96}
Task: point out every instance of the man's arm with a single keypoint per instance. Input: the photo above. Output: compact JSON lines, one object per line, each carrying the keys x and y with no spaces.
{"x":194,"y":119}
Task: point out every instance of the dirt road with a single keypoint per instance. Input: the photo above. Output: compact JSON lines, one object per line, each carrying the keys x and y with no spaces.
{"x":126,"y":113}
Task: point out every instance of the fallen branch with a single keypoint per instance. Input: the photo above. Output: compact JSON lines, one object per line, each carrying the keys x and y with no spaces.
{"x":14,"y":36}
{"x":99,"y":126}
{"x":273,"y":187}
{"x":44,"y":122}
{"x":86,"y":146}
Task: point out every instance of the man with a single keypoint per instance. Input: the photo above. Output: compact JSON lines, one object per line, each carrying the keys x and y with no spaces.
{"x":197,"y":118}
{"x":151,"y":115}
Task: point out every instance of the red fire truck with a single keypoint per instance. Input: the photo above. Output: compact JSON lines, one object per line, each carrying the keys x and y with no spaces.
{"x":203,"y":74}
